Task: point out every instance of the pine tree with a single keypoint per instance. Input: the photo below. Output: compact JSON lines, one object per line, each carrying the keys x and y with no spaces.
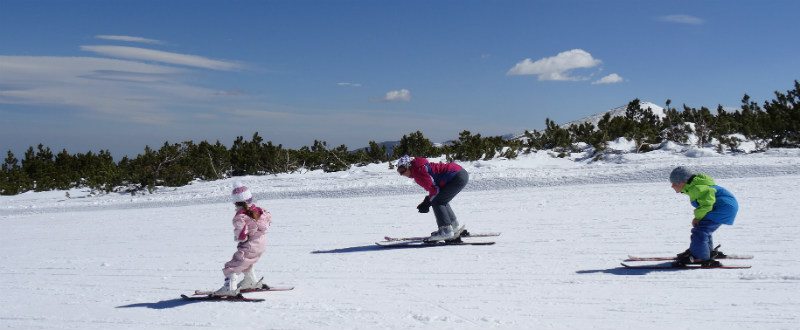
{"x":586,"y":133}
{"x":67,"y":171}
{"x":14,"y":179}
{"x":99,"y":171}
{"x":674,"y":128}
{"x":753,"y":123}
{"x":783,"y":117}
{"x":533,"y":141}
{"x":643,"y":125}
{"x":207,"y":161}
{"x":416,"y":145}
{"x":141,"y":171}
{"x":245,"y":156}
{"x":39,"y":166}
{"x":376,"y":153}
{"x":555,"y":137}
{"x":468,"y":147}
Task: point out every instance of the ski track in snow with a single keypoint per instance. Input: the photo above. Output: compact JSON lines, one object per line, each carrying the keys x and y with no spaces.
{"x":121,"y":262}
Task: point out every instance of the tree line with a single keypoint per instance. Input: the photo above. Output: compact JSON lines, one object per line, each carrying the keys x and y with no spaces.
{"x":775,"y":123}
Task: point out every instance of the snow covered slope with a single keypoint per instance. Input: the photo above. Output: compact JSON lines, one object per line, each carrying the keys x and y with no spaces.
{"x":121,"y":262}
{"x":617,"y":112}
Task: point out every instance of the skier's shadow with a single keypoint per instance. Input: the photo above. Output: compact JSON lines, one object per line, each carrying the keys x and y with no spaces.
{"x":164,"y":304}
{"x":363,"y":248}
{"x":374,"y":247}
{"x":626,"y":271}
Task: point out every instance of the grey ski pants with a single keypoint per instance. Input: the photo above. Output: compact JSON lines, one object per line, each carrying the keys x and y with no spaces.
{"x":441,"y":203}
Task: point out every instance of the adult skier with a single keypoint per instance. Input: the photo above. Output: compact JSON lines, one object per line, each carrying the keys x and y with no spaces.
{"x":442,"y":181}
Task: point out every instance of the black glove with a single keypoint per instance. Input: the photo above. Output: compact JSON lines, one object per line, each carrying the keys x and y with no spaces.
{"x":425,"y":206}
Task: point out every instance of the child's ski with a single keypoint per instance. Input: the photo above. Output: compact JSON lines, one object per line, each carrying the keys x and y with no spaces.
{"x":222,"y":298}
{"x":728,"y":256}
{"x":266,"y":288}
{"x":690,"y":266}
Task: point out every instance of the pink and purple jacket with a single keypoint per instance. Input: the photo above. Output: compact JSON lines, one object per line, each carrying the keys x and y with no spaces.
{"x":432,"y":176}
{"x":251,"y":235}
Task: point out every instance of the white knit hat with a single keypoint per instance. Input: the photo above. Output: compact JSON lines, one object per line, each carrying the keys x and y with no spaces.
{"x":404,"y":161}
{"x":241,"y":193}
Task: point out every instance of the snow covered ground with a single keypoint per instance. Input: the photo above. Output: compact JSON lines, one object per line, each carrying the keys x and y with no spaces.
{"x":121,"y":261}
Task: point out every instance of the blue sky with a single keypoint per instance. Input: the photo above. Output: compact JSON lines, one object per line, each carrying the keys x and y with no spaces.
{"x":119,"y":75}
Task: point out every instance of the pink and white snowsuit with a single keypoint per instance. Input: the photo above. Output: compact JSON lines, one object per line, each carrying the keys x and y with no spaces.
{"x":252,"y":237}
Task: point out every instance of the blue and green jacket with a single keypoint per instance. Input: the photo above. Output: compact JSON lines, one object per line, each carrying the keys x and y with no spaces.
{"x":710,"y":201}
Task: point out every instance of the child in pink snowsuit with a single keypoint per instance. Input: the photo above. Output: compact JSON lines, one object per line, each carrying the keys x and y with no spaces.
{"x":250,"y":226}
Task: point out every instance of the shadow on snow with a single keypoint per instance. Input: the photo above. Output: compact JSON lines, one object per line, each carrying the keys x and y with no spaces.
{"x":375,"y":247}
{"x":629,"y":271}
{"x":164,"y":304}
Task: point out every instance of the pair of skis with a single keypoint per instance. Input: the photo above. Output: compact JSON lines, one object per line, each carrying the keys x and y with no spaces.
{"x":463,"y":238}
{"x":671,"y":265}
{"x":209,"y":295}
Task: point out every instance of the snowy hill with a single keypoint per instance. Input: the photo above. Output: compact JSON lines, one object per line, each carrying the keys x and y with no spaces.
{"x":595,"y":118}
{"x":120,"y":261}
{"x":617,"y":112}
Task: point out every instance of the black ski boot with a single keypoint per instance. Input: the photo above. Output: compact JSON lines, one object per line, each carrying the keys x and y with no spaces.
{"x":683,"y":254}
{"x":683,"y":259}
{"x":710,"y":263}
{"x":717,"y":254}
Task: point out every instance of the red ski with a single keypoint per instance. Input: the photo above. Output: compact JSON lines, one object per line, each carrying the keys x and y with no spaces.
{"x":715,"y":254}
{"x":265,"y":288}
{"x":729,"y":256}
{"x":690,"y":266}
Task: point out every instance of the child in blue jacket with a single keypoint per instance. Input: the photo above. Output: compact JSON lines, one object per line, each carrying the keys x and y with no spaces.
{"x":714,"y":206}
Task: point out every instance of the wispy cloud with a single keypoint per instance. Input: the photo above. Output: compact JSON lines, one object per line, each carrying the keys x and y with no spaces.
{"x":556,"y":67}
{"x":143,"y":54}
{"x":609,"y":79}
{"x":129,"y":39}
{"x":348,"y":84}
{"x":402,"y":95}
{"x":682,"y":19}
{"x":122,"y":89}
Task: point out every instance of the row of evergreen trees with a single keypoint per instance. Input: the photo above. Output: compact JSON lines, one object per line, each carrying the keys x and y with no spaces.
{"x":776,"y":123}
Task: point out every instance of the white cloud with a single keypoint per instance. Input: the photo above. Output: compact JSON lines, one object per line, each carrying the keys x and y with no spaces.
{"x":681,"y":19}
{"x":609,"y":79}
{"x":556,"y":67}
{"x":402,"y":95}
{"x":143,"y":54}
{"x":348,"y":84}
{"x":129,"y":39}
{"x":122,"y":89}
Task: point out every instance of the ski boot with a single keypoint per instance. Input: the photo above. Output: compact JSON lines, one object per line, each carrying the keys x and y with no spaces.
{"x":229,"y":287}
{"x":683,"y":254}
{"x":249,"y":282}
{"x":444,"y":233}
{"x":717,"y":254}
{"x":710,"y":263}
{"x":458,"y":229}
{"x":683,"y":259}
